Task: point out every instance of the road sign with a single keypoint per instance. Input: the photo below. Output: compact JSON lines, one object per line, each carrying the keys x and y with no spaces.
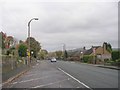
{"x":28,"y":53}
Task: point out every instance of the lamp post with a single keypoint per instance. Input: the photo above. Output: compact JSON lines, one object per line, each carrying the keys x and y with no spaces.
{"x":29,"y":39}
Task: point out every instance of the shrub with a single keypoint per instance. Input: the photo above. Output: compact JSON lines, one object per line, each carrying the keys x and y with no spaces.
{"x":87,"y":58}
{"x":118,"y":62}
{"x":22,"y":50}
{"x":73,"y":58}
{"x":115,"y":55}
{"x":106,"y":60}
{"x":8,"y":52}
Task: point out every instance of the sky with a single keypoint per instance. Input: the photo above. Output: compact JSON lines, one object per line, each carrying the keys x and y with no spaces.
{"x":75,"y":23}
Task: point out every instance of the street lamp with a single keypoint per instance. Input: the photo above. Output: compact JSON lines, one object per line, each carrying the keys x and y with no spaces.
{"x":29,"y":37}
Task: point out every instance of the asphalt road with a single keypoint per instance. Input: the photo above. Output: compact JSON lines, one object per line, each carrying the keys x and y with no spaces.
{"x":92,"y":76}
{"x":64,"y":74}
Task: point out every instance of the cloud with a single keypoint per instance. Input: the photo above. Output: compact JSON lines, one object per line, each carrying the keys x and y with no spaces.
{"x":74,"y":23}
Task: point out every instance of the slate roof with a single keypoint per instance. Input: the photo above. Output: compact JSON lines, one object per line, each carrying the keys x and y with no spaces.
{"x":89,"y":51}
{"x":75,"y":52}
{"x":96,"y":47}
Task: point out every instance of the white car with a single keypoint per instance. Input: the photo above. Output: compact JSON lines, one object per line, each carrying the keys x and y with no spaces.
{"x":53,"y":60}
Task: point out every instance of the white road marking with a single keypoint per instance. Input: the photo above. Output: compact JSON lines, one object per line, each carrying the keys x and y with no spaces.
{"x":49,"y":84}
{"x":75,"y":79}
{"x":31,"y":79}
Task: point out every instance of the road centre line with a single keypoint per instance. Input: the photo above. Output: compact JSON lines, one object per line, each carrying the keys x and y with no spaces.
{"x":50,"y":83}
{"x":75,"y":79}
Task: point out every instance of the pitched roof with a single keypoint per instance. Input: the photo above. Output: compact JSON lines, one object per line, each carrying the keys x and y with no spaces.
{"x":75,"y":52}
{"x":88,"y":52}
{"x":96,"y":47}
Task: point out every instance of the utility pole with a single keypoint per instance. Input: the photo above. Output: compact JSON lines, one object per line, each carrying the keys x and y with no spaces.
{"x":94,"y":51}
{"x":64,"y":48}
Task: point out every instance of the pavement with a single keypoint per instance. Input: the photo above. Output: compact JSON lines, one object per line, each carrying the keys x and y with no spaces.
{"x":101,"y":65}
{"x":65,"y":74}
{"x":104,"y":66}
{"x":108,"y":66}
{"x":7,"y":82}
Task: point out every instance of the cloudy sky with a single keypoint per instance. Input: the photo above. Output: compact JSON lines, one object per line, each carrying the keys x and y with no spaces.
{"x":72,"y":22}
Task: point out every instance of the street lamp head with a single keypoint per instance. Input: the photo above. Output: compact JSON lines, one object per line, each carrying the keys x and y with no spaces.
{"x":36,"y":18}
{"x":32,"y":52}
{"x":31,"y":20}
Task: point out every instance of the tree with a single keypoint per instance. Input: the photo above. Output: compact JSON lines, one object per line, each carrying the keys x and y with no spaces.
{"x":20,"y":41}
{"x":34,"y":45}
{"x":59,"y":54}
{"x":2,"y":44}
{"x":115,"y":55}
{"x":51,"y":54}
{"x":22,"y":50}
{"x":42,"y":54}
{"x":66,"y":55}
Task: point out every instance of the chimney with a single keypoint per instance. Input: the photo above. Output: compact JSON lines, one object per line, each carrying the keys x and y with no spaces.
{"x":84,"y":48}
{"x":104,"y":47}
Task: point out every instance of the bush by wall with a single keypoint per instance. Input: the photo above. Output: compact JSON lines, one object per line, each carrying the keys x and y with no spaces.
{"x":88,"y":58}
{"x":73,"y":58}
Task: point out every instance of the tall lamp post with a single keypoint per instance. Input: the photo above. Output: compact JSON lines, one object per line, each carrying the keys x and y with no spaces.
{"x":29,"y":39}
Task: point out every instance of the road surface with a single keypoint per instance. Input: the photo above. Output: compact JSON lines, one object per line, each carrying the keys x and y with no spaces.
{"x":64,"y":74}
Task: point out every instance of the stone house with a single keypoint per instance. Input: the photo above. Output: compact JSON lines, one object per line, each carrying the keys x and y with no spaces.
{"x":76,"y":54}
{"x":99,"y":51}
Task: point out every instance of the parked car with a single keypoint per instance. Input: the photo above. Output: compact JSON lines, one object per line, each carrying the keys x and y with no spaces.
{"x":53,"y":60}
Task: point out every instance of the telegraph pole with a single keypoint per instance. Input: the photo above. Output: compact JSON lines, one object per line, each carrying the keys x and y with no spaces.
{"x":64,"y":48}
